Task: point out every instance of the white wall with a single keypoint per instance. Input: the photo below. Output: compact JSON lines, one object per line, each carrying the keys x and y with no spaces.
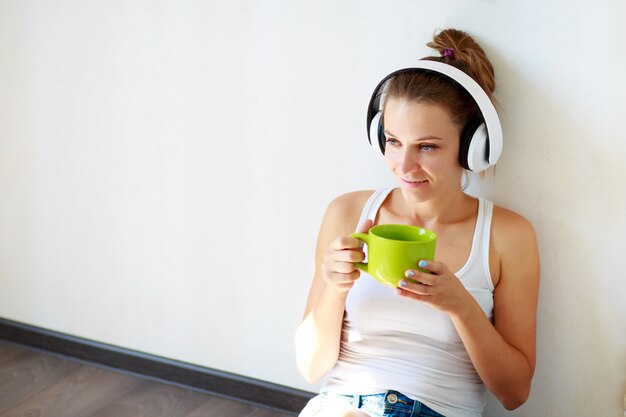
{"x":164,"y":166}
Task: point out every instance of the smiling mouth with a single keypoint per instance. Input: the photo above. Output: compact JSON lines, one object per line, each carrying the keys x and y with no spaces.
{"x":414,"y":182}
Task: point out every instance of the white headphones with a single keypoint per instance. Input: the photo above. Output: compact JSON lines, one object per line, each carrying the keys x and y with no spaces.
{"x":481,"y":140}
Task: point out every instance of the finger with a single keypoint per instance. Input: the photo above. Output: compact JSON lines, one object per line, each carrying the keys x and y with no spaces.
{"x":339,"y":278}
{"x":346,"y":242}
{"x":333,"y":265}
{"x":365,"y":226}
{"x":347,"y":286}
{"x":342,"y":267}
{"x":413,"y":296}
{"x":435,"y":267}
{"x":349,"y":255}
{"x":420,"y":277}
{"x":415,"y":288}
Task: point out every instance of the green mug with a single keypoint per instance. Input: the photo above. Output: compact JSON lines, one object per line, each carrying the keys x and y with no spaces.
{"x":394,"y":248}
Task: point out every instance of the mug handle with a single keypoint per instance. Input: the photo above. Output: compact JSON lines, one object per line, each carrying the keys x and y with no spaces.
{"x":365,"y":238}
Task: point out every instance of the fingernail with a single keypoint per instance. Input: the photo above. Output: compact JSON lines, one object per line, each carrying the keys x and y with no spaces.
{"x":410,"y":273}
{"x":403,"y":283}
{"x":422,"y":264}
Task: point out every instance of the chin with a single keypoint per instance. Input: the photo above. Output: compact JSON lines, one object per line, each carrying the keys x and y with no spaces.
{"x":415,"y":196}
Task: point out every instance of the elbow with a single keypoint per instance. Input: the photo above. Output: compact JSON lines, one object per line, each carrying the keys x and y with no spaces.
{"x":304,"y":363}
{"x":309,"y":376}
{"x":310,"y":373}
{"x":513,"y":392}
{"x":312,"y":369}
{"x":306,"y":367}
{"x":312,"y":361}
{"x":512,"y":405}
{"x":515,"y":400}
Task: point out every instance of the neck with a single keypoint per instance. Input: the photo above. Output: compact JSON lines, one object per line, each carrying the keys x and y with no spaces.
{"x":440,"y":210}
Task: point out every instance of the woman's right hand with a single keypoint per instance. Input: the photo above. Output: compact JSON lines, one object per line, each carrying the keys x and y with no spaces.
{"x":318,"y":338}
{"x":339,"y":270}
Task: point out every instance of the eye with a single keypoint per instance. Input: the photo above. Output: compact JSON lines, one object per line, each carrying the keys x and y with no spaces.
{"x":392,"y":142}
{"x":426,"y":147}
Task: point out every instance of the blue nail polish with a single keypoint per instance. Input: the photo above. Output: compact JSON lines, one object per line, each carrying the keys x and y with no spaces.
{"x":403,"y":283}
{"x":410,"y":273}
{"x":422,"y":264}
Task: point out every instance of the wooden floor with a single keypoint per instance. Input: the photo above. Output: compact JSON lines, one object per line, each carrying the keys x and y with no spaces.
{"x":35,"y":384}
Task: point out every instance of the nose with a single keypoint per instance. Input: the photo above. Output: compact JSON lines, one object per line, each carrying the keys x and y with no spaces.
{"x":408,"y":161}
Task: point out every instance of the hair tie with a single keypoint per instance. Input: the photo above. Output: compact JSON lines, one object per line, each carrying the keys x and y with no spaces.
{"x":449,"y":53}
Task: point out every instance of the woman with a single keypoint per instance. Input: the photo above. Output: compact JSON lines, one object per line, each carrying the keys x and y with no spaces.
{"x":432,"y":345}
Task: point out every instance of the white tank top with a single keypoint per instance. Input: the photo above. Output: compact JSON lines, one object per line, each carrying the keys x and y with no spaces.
{"x":389,"y":342}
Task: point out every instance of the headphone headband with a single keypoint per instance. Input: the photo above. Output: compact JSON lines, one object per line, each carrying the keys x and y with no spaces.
{"x":493,"y":144}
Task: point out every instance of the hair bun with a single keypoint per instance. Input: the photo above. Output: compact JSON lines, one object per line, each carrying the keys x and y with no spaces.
{"x":459,"y":49}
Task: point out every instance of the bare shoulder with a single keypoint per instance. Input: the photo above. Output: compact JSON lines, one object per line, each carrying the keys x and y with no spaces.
{"x":349,"y":203}
{"x":515,"y":245}
{"x":510,"y":229}
{"x":342,"y":215}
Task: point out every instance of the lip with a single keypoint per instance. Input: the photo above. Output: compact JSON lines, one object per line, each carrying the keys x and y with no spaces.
{"x":413,"y":183}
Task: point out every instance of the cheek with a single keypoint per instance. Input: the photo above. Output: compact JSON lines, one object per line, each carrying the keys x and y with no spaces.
{"x":450,"y":156}
{"x":391,"y":156}
{"x":445,"y":162}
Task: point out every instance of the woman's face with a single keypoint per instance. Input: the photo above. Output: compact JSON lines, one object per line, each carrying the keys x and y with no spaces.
{"x":422,"y":149}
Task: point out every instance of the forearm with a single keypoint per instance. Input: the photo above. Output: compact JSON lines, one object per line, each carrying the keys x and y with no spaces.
{"x":318,"y":336}
{"x":504,"y":369}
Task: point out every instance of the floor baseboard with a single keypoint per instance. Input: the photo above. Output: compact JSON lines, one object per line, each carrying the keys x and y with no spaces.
{"x":212,"y":381}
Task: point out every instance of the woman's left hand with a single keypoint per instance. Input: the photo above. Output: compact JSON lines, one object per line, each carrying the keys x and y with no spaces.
{"x":440,"y":289}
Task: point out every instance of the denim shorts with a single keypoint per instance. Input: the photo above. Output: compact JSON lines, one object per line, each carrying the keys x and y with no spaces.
{"x":386,"y":404}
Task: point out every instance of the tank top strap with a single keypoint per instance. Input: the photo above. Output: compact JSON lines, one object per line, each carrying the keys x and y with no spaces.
{"x":476,"y":272}
{"x":370,"y":209}
{"x":487,"y":216}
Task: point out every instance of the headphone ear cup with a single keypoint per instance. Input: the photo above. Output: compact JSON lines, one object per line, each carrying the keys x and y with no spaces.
{"x":382,"y":140}
{"x":474,"y":146}
{"x":478,"y":150}
{"x":464,"y":144}
{"x":377,"y":136}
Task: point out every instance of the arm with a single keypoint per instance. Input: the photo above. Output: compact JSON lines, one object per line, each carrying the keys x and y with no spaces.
{"x":503,"y":353}
{"x":318,"y":336}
